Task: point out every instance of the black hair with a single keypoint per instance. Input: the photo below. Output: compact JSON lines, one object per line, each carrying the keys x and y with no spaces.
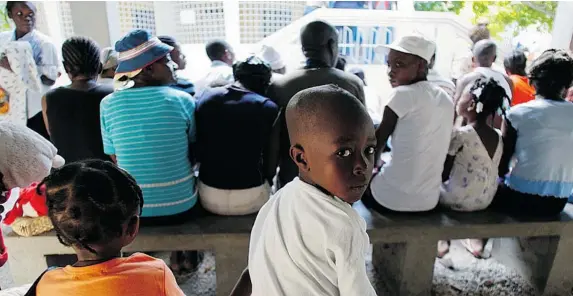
{"x":89,"y":201}
{"x":551,"y":73}
{"x":492,"y":97}
{"x":168,"y":40}
{"x":515,"y":62}
{"x":11,"y":4}
{"x":81,"y":56}
{"x":216,"y":49}
{"x":254,"y":74}
{"x":485,"y":52}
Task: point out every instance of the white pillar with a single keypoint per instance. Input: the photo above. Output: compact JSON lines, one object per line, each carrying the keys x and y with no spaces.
{"x":232,"y":24}
{"x":563,"y":25}
{"x":90,"y":18}
{"x":406,"y":6}
{"x":54,"y":26}
{"x":113,"y":23}
{"x":165,"y":18}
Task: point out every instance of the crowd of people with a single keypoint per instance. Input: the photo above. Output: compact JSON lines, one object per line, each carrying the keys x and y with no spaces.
{"x":145,"y":146}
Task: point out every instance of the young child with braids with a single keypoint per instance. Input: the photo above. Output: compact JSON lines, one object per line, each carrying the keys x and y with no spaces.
{"x":95,"y":208}
{"x":470,"y":169}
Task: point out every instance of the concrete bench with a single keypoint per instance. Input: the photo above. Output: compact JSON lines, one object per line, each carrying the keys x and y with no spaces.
{"x":404,"y":246}
{"x":228,"y":237}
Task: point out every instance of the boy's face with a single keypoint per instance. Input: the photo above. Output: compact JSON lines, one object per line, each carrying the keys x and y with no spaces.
{"x":403,"y":68}
{"x":340,"y":158}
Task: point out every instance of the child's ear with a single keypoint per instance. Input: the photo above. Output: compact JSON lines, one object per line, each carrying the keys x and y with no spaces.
{"x":298,"y":156}
{"x":132,"y":230}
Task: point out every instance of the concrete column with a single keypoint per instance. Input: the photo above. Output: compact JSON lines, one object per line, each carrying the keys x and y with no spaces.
{"x":563,"y":26}
{"x":232,"y":24}
{"x":406,"y":6}
{"x":90,"y":18}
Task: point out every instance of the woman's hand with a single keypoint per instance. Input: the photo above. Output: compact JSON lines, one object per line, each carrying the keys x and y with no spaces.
{"x":4,"y":63}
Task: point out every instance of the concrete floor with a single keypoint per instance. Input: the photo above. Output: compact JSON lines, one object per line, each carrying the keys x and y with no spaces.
{"x":458,"y":273}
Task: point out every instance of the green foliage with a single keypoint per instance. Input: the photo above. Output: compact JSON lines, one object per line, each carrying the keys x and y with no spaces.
{"x":501,"y":15}
{"x":4,"y":24}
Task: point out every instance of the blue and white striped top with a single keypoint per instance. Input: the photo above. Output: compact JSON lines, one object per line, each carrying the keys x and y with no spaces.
{"x":149,"y":130}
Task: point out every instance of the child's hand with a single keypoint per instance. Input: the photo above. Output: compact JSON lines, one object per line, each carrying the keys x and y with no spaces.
{"x":4,"y":63}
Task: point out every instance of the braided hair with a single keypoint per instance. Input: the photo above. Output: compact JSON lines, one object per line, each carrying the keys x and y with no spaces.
{"x":551,"y":74}
{"x":81,"y":56}
{"x":491,"y":96}
{"x":89,"y":202}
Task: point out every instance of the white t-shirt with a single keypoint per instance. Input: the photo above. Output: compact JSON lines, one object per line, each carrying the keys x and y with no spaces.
{"x":307,"y":243}
{"x":410,"y":182}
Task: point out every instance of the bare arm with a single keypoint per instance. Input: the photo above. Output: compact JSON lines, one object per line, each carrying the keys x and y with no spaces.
{"x":4,"y":63}
{"x":384,"y":131}
{"x":509,"y":141}
{"x":244,"y":286}
{"x":45,"y":114}
{"x":113,"y":158}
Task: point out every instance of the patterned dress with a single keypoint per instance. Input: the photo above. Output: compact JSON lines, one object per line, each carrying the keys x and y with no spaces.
{"x":473,"y":179}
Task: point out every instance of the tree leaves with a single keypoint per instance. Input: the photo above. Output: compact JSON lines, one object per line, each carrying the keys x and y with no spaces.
{"x":513,"y":16}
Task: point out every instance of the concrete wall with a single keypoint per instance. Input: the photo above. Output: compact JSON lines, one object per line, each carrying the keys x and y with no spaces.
{"x":90,"y":18}
{"x":563,"y":26}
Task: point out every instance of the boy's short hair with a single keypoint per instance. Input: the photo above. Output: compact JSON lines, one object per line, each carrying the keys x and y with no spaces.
{"x":310,"y":109}
{"x":216,"y":49}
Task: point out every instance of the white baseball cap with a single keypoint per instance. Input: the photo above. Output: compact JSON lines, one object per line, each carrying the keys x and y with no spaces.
{"x":416,"y":45}
{"x":272,"y":56}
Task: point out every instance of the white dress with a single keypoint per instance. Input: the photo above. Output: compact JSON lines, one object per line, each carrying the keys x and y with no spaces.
{"x":473,"y":179}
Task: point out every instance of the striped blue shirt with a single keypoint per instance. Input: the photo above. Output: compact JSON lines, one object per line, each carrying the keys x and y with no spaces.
{"x":149,"y":130}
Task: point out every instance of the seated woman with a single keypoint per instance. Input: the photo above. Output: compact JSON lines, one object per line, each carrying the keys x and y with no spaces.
{"x":235,"y":125}
{"x":148,"y":128}
{"x":538,"y":135}
{"x":71,"y":113}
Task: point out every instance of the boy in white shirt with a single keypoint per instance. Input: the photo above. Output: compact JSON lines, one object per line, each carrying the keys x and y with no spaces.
{"x":307,"y":239}
{"x":419,"y":116}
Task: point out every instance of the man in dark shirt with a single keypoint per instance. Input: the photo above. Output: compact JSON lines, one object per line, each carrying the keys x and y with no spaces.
{"x":178,"y":57}
{"x":319,"y":42}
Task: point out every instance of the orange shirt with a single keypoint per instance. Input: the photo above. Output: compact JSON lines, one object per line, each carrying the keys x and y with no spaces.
{"x":137,"y":274}
{"x":522,"y":91}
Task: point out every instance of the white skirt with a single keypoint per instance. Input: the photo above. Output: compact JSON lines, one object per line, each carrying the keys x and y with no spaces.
{"x":233,"y":202}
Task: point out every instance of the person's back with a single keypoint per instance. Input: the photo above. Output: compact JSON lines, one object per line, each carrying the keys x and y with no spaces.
{"x":523,"y":92}
{"x":233,"y":128}
{"x":543,"y":125}
{"x":411,"y":181}
{"x":74,"y":122}
{"x":284,"y":88}
{"x":149,"y":130}
{"x":137,"y":274}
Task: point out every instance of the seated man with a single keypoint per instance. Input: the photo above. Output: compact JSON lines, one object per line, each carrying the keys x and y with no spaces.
{"x":319,"y":42}
{"x":419,"y":117}
{"x":222,"y":58}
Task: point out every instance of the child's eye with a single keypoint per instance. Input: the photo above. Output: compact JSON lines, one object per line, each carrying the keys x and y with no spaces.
{"x":370,"y":150}
{"x":344,"y":153}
